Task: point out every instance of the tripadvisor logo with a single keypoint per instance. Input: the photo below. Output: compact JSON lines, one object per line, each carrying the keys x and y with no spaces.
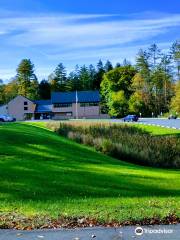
{"x":139,"y":231}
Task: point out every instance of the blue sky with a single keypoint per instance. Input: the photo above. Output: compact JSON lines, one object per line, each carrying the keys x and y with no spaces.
{"x":82,"y":32}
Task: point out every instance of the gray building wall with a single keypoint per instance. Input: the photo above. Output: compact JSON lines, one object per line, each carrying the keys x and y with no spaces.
{"x":16,"y":107}
{"x":83,"y":112}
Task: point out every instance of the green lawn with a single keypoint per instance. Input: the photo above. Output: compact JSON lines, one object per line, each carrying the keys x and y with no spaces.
{"x":43,"y":173}
{"x":156,"y":130}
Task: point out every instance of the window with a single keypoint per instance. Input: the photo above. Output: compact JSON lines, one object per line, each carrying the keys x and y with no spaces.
{"x":94,"y":104}
{"x":25,"y":108}
{"x":25,"y":103}
{"x":91,"y":104}
{"x":69,"y":114}
{"x":62,"y":105}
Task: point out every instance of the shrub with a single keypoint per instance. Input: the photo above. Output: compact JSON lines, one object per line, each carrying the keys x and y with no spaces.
{"x":124,"y":142}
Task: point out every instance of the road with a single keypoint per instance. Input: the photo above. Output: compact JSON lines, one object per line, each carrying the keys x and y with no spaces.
{"x":169,"y":232}
{"x":173,"y":123}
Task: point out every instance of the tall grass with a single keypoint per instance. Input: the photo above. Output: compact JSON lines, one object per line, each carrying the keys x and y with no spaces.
{"x":124,"y":142}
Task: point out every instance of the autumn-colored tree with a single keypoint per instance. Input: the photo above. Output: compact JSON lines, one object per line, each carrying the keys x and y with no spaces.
{"x":1,"y":91}
{"x":139,"y":98}
{"x":175,"y":103}
{"x":10,"y":90}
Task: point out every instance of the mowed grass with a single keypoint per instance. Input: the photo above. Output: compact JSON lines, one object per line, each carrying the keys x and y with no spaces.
{"x":42,"y":173}
{"x":158,"y":130}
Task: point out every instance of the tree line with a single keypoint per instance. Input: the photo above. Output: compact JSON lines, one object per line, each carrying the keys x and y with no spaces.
{"x":149,"y":87}
{"x":25,"y":82}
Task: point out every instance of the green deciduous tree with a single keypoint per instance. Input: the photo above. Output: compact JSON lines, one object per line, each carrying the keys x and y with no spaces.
{"x":116,"y":86}
{"x":118,"y":104}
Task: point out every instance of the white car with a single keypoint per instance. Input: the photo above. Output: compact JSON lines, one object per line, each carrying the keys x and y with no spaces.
{"x":7,"y":118}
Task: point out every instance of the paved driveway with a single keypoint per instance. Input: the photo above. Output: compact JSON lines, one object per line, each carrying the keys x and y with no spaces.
{"x":164,"y":122}
{"x":173,"y":123}
{"x":169,"y":232}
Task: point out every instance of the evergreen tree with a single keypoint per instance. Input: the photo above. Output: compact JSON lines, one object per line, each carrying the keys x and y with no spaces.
{"x":108,"y":66}
{"x":84,"y":78}
{"x":142,"y":64}
{"x":143,"y":67}
{"x":175,"y":52}
{"x":92,"y":75}
{"x":25,"y":77}
{"x":34,"y":89}
{"x":72,"y":82}
{"x":44,"y":90}
{"x":118,"y":65}
{"x":74,"y":77}
{"x":157,"y":77}
{"x":154,"y":54}
{"x":58,"y":78}
{"x":166,"y":66}
{"x":126,"y":63}
{"x":99,"y":75}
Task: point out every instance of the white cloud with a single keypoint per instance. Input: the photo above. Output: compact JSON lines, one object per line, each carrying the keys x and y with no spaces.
{"x":6,"y":74}
{"x":68,"y":32}
{"x":78,"y":38}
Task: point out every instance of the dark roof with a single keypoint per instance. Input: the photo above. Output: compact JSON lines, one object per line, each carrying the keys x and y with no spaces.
{"x":70,"y":97}
{"x":43,"y":102}
{"x":43,"y":106}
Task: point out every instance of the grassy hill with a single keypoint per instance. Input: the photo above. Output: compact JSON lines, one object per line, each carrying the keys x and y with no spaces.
{"x":42,"y":173}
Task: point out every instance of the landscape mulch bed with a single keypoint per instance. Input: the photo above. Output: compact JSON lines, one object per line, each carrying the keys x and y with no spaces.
{"x":18,"y":222}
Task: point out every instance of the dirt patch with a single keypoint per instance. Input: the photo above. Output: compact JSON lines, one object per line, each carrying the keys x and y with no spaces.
{"x":19,"y":222}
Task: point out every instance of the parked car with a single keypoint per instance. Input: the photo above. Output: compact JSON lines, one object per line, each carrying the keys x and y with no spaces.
{"x":172,"y":117}
{"x":7,"y":118}
{"x":130,"y":118}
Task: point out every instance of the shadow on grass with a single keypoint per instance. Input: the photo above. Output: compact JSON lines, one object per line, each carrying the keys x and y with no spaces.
{"x":38,"y":165}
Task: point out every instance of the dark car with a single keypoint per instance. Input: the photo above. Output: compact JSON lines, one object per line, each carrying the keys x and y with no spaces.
{"x":172,"y":117}
{"x":130,"y":118}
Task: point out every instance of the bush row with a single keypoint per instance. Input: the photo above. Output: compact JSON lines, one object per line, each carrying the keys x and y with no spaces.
{"x":124,"y":142}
